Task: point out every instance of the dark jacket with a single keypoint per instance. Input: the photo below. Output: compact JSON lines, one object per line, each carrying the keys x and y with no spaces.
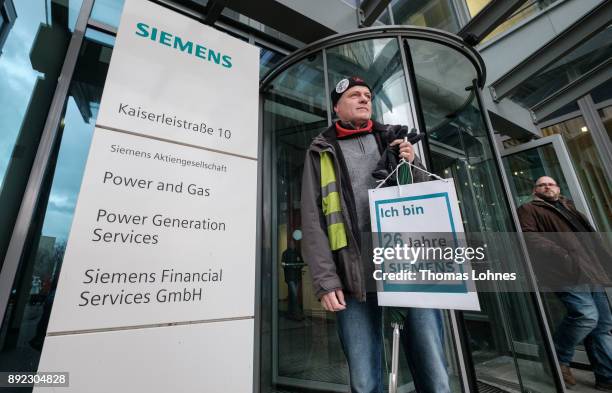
{"x":563,"y":246}
{"x":332,"y":270}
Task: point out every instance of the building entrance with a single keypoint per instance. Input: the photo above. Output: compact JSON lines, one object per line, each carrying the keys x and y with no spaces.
{"x":525,"y":164}
{"x":420,"y":77}
{"x":430,"y":81}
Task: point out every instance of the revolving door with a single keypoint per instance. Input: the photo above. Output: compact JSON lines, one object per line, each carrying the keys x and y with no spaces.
{"x":425,"y":79}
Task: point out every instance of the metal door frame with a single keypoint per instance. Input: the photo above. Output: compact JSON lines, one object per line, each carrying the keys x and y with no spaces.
{"x":573,"y":184}
{"x":401,"y":33}
{"x":450,"y":320}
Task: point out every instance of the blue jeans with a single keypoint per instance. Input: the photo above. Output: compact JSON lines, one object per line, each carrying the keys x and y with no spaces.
{"x":588,"y":318}
{"x":361,"y":336}
{"x":422,"y":338}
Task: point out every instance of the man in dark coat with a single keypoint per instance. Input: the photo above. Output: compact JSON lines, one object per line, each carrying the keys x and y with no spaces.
{"x":336,"y":224}
{"x":292,"y":267}
{"x":569,"y":260}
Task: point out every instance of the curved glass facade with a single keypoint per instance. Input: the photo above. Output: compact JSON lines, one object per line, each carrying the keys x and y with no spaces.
{"x":27,"y":315}
{"x":29,"y":73}
{"x":409,"y":74}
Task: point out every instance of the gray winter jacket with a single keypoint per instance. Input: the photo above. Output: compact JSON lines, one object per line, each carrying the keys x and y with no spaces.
{"x":329,"y":269}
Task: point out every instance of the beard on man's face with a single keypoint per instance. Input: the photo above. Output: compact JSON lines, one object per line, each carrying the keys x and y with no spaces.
{"x":549,"y":194}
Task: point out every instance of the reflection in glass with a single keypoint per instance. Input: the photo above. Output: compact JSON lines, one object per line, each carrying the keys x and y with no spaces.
{"x":268,"y":58}
{"x":588,"y":167}
{"x":440,"y":14}
{"x":526,"y":167}
{"x":378,"y":62}
{"x":250,"y":23}
{"x":385,"y":17}
{"x":29,"y":307}
{"x":305,"y":346}
{"x":7,"y":19}
{"x":504,"y":338}
{"x":107,"y":11}
{"x":29,"y":72}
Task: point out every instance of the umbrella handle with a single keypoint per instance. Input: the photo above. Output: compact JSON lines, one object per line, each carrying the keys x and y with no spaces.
{"x":394,"y":358}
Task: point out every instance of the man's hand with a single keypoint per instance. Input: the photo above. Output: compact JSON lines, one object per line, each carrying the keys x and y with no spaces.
{"x":406,"y":149}
{"x":333,"y":301}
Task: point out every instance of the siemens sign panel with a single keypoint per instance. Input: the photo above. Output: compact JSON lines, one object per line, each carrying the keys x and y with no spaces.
{"x":156,"y":240}
{"x":158,"y":278}
{"x":178,"y":79}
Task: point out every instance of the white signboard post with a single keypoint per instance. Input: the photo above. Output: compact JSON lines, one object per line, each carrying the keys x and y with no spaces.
{"x":157,"y":286}
{"x":420,"y":216}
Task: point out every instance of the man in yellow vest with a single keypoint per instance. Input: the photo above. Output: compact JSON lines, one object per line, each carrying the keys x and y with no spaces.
{"x":337,"y":246}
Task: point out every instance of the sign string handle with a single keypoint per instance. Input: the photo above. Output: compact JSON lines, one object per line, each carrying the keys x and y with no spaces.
{"x":410,"y":165}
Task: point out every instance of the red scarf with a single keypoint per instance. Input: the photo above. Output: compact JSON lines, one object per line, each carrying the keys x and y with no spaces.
{"x":342,"y":132}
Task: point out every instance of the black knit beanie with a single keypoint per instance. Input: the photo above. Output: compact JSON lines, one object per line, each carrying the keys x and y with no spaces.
{"x":344,"y":85}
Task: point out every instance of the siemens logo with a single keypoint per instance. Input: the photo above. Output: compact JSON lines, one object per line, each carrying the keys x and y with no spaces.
{"x":163,"y":37}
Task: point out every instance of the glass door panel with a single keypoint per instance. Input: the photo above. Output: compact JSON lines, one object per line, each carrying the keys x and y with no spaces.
{"x":524,"y":164}
{"x":379,"y":62}
{"x":589,"y":169}
{"x":548,"y":156}
{"x":306,"y":352}
{"x":305,"y":345}
{"x":29,"y":73}
{"x":504,"y":339}
{"x":24,"y":327}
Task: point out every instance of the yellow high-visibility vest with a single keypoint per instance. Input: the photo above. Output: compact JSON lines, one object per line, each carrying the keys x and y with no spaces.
{"x":330,"y":200}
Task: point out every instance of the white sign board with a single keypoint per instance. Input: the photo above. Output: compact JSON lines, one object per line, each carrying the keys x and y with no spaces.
{"x":415,"y":228}
{"x":164,"y":230}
